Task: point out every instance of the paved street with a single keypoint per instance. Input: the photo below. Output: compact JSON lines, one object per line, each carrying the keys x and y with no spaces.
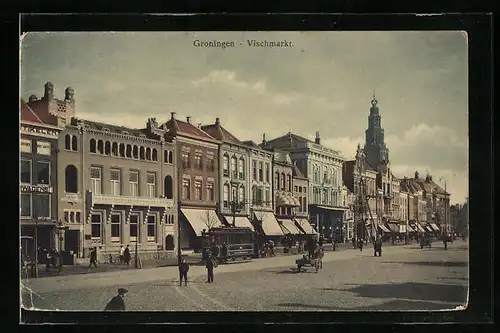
{"x":404,"y":278}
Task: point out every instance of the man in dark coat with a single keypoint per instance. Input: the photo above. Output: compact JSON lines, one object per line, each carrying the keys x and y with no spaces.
{"x":126,"y":255}
{"x":183,"y":272}
{"x":377,"y":247}
{"x":117,"y":303}
{"x":210,"y":270}
{"x":93,"y":258}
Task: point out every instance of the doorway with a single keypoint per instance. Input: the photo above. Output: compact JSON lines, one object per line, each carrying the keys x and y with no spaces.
{"x":72,"y":241}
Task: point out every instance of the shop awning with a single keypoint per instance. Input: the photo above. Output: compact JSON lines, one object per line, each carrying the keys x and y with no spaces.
{"x":393,"y":227}
{"x":270,"y":225}
{"x":410,"y":229}
{"x":419,"y":227}
{"x":434,"y":226}
{"x":201,"y":219}
{"x":428,"y":228}
{"x":239,"y":221}
{"x":384,"y":228}
{"x":305,"y":226}
{"x":289,"y":226}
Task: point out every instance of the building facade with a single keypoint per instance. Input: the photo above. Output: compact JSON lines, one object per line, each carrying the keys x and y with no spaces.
{"x":117,"y":188}
{"x":323,"y":168}
{"x":437,"y":203}
{"x":234,"y":178}
{"x":197,"y":179}
{"x":42,"y":121}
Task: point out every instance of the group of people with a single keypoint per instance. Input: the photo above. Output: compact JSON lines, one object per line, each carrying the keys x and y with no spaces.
{"x":124,"y":256}
{"x":267,"y":249}
{"x":51,"y":256}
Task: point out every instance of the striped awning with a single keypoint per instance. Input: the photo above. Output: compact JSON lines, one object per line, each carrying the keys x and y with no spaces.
{"x":305,"y":226}
{"x":289,"y":227}
{"x":393,"y":227}
{"x":434,"y":226}
{"x":428,"y":228}
{"x":419,"y":227}
{"x":384,"y":228}
{"x":239,"y":221}
{"x":270,"y":225}
{"x":410,"y":229}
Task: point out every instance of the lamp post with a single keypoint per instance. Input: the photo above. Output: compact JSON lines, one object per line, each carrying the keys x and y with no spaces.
{"x":442,"y":180}
{"x":180,"y":169}
{"x":60,"y":230}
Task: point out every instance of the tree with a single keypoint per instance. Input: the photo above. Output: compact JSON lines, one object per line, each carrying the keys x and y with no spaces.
{"x":210,"y":219}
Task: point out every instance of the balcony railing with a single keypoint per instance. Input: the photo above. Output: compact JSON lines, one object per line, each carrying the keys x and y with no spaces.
{"x":102,"y":199}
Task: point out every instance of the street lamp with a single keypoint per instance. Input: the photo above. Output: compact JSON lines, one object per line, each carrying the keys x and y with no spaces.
{"x":442,"y":180}
{"x":60,"y":230}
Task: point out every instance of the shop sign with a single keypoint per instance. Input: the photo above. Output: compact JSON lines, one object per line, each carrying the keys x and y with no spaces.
{"x":43,"y":148}
{"x":25,"y":129}
{"x":36,"y":189}
{"x":25,"y":146}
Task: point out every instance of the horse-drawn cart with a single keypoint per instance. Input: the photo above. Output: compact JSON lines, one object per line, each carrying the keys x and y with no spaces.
{"x":425,"y":242}
{"x":305,"y":262}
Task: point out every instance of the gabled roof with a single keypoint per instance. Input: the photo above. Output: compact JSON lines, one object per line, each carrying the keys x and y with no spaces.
{"x":113,"y":128}
{"x":251,"y":144}
{"x":27,"y":114}
{"x":220,"y":133}
{"x":287,"y":140}
{"x":178,"y":127}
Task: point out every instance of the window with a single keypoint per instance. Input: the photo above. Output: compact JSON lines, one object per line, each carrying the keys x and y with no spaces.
{"x":135,"y":152}
{"x":134,"y":227}
{"x":267,"y":172}
{"x":268,"y":197}
{"x":96,"y":226}
{"x":283,"y":181}
{"x":42,"y":172}
{"x":289,"y":183}
{"x":107,"y":148}
{"x":261,"y":171}
{"x":170,"y":157}
{"x":241,"y":169}
{"x":116,"y":220}
{"x":197,"y":162}
{"x":186,"y":189}
{"x":226,"y":195}
{"x":168,"y":187}
{"x":133,"y":180}
{"x":142,"y":153}
{"x":197,"y":190}
{"x":210,"y":163}
{"x":114,"y":149}
{"x":26,"y":146}
{"x":41,"y":205}
{"x":100,"y":147}
{"x":71,"y":179}
{"x":258,"y":196}
{"x":151,"y":228}
{"x":74,"y":143}
{"x":155,"y":155}
{"x":241,"y":195}
{"x":78,"y":217}
{"x":210,"y":192}
{"x":26,"y":205}
{"x":67,"y":142}
{"x":277,"y":181}
{"x":95,"y":176}
{"x":234,"y":170}
{"x":122,"y":150}
{"x":93,"y":146}
{"x":151,"y":181}
{"x":234,"y":194}
{"x":225,"y":165}
{"x":25,"y":171}
{"x":254,"y":170}
{"x":165,"y":156}
{"x":185,"y":160}
{"x":148,"y":154}
{"x":114,"y":176}
{"x":128,"y":152}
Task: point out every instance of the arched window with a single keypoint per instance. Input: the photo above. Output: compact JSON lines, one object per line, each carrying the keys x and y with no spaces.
{"x":93,"y":146}
{"x":168,"y":187}
{"x":276,"y":181}
{"x":74,"y":143}
{"x":67,"y":142}
{"x":129,"y":151}
{"x":100,"y":147}
{"x":71,"y":179}
{"x":241,"y":195}
{"x":142,"y":153}
{"x":155,"y":155}
{"x":226,"y":196}
{"x":225,"y":165}
{"x":114,"y":149}
{"x":122,"y":149}
{"x":169,"y":243}
{"x":136,"y":152}
{"x":289,"y":183}
{"x":170,"y":157}
{"x":148,"y":154}
{"x":107,"y":148}
{"x":283,"y":181}
{"x":241,"y":168}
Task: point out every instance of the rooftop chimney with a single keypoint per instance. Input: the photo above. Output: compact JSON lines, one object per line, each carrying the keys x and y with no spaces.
{"x":416,"y":174}
{"x":264,"y":138}
{"x":217,"y":121}
{"x":317,"y":140}
{"x":188,"y":119}
{"x":172,"y":115}
{"x":49,"y":90}
{"x":199,"y":125}
{"x":32,"y":99}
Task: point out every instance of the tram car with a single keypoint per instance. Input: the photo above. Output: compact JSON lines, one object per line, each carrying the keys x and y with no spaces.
{"x":229,"y":244}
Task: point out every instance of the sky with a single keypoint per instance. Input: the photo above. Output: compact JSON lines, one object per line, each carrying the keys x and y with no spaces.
{"x":324,"y":81}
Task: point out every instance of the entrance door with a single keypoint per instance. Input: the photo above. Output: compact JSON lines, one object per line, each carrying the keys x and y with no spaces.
{"x":72,"y":241}
{"x":169,"y":241}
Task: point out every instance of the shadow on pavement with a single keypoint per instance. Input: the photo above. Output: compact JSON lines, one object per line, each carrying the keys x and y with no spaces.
{"x":394,"y":305}
{"x":411,"y":291}
{"x":431,"y":263}
{"x":453,"y":278}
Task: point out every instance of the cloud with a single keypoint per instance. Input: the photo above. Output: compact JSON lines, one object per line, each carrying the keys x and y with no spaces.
{"x":345,"y":145}
{"x":423,"y":134}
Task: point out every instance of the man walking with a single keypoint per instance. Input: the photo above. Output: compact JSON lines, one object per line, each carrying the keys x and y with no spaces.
{"x":377,"y":246}
{"x":210,"y":270}
{"x":122,"y":250}
{"x":126,"y":255}
{"x":183,"y":272}
{"x":117,"y":303}
{"x":93,"y":257}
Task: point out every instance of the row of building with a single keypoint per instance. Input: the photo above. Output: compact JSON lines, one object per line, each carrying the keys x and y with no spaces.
{"x":86,"y":184}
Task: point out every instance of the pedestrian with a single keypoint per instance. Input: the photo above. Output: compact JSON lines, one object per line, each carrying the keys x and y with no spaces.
{"x":361,"y":245}
{"x":117,"y":303}
{"x":210,"y":270}
{"x":271,"y":248}
{"x":122,"y":251}
{"x":126,"y":255}
{"x":47,"y":259}
{"x":93,"y":257}
{"x":377,"y":247}
{"x":445,"y":243}
{"x":183,"y":272}
{"x":353,"y":240}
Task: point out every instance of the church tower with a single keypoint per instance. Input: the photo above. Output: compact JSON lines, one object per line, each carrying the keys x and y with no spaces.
{"x":375,"y":149}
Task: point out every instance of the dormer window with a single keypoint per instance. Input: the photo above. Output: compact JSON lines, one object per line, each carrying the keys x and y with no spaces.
{"x":125,"y":133}
{"x":142,"y":135}
{"x":105,"y":129}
